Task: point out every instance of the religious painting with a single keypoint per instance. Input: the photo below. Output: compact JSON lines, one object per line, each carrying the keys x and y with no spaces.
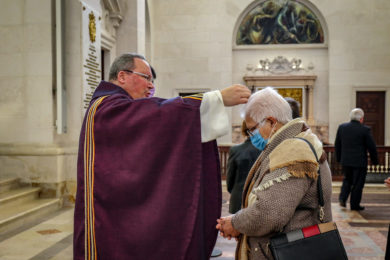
{"x":280,"y":22}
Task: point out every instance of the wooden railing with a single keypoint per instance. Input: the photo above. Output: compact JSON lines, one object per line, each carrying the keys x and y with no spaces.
{"x":335,"y":167}
{"x":223,"y":158}
{"x":379,"y":170}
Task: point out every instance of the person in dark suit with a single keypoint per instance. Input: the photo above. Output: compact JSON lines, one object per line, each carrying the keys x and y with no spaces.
{"x":241,"y":159}
{"x":353,"y":140}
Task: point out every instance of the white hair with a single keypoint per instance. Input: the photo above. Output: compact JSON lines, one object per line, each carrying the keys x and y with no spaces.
{"x":356,"y":114}
{"x":268,"y":103}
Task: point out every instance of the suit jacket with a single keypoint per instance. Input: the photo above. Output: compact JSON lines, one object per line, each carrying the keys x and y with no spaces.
{"x":353,"y":140}
{"x":241,"y":159}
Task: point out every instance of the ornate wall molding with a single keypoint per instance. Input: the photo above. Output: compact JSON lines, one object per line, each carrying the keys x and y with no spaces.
{"x":114,"y":11}
{"x":287,"y":81}
{"x":280,"y":65}
{"x":108,"y":41}
{"x":280,"y":80}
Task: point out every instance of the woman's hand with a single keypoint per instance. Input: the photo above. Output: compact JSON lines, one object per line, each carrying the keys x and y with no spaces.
{"x":226,"y":228}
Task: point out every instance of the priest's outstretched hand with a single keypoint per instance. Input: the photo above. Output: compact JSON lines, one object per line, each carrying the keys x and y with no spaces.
{"x":235,"y":94}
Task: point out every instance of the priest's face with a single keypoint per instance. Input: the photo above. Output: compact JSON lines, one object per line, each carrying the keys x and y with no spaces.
{"x":139,"y":82}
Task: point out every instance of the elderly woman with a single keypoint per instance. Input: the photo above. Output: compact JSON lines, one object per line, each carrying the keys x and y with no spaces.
{"x":280,"y":193}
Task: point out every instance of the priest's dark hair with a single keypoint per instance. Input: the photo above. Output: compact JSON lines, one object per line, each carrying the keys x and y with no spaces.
{"x":123,"y":62}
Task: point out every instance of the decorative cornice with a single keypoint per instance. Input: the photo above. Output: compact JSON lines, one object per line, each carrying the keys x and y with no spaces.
{"x":280,"y":80}
{"x":114,"y":11}
{"x":279,"y":65}
{"x":108,"y":41}
{"x":282,"y":77}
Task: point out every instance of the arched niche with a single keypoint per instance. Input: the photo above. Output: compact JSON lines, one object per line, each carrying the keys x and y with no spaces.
{"x":312,"y":78}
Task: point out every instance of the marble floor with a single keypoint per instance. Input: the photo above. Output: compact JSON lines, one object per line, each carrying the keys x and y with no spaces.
{"x":364,"y":233}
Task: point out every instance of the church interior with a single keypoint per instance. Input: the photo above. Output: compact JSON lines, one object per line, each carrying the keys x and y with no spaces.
{"x":331,"y":56}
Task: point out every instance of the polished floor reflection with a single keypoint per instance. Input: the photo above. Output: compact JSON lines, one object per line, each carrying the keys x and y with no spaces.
{"x":363,"y":233}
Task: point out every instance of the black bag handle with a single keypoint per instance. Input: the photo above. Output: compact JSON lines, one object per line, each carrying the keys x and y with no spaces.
{"x":319,"y":185}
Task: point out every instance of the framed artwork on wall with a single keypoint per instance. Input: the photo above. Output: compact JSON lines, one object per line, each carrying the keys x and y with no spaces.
{"x":280,"y":22}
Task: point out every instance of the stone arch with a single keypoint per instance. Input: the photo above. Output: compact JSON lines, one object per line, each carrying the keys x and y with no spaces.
{"x":246,"y":64}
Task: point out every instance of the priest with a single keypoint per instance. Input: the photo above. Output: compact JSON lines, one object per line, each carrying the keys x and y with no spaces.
{"x":148,"y":174}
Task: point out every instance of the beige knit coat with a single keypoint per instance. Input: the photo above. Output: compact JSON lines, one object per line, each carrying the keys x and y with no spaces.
{"x":285,"y":194}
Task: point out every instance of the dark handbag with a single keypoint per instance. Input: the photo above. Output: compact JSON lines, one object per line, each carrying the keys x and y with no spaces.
{"x":317,"y":242}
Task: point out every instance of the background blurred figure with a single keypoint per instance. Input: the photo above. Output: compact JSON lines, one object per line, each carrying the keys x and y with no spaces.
{"x":294,"y":106}
{"x":241,"y":159}
{"x":353,"y":140}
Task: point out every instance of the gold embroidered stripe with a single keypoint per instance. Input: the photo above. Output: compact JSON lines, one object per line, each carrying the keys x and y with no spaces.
{"x":195,"y":96}
{"x":89,"y":158}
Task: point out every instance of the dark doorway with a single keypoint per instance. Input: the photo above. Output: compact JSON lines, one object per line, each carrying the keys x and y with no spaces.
{"x":102,"y":62}
{"x":373,"y":105}
{"x":184,"y":94}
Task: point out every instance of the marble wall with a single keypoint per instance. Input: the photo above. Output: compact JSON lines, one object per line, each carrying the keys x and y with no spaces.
{"x":359,"y":55}
{"x":190,"y":43}
{"x":131,"y":34}
{"x":193,"y":48}
{"x":30,"y":148}
{"x":26,"y":75}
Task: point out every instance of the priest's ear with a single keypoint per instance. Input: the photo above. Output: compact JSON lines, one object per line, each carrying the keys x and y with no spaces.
{"x":121,"y":77}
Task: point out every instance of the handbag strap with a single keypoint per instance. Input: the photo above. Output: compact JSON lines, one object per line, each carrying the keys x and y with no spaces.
{"x":319,"y":185}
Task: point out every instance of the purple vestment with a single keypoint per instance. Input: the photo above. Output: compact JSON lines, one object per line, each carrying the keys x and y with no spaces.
{"x":147,"y":188}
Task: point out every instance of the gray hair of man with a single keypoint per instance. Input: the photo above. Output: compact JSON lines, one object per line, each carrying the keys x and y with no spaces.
{"x":123,"y":62}
{"x":356,"y":114}
{"x":268,"y":103}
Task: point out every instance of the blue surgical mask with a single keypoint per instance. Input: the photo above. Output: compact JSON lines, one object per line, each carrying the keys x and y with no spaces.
{"x":258,"y":141}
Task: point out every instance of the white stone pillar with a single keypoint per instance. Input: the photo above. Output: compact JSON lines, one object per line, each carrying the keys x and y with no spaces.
{"x":310,"y":117}
{"x":131,"y":31}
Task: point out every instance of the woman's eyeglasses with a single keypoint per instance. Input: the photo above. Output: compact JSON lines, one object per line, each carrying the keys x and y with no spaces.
{"x":251,"y":130}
